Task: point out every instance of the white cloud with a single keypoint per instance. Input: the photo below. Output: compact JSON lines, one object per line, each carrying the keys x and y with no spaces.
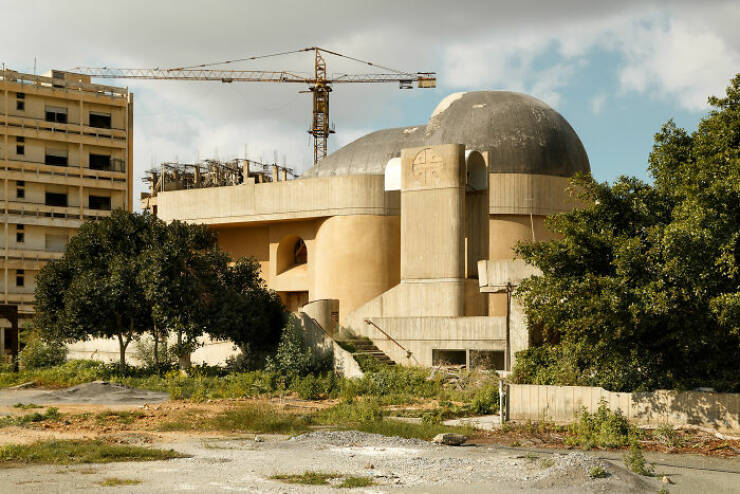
{"x":597,"y":103}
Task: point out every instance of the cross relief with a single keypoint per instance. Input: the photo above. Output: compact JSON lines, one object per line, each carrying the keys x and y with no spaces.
{"x":426,"y":167}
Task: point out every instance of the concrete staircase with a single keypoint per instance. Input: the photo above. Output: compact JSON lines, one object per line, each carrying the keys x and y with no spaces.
{"x":364,"y":346}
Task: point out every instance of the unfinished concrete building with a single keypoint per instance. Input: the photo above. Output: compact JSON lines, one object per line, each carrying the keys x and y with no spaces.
{"x":406,"y":235}
{"x":66,"y":150}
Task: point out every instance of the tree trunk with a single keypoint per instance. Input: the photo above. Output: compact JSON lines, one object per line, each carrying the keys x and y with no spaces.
{"x":182,"y":355}
{"x":156,"y":347}
{"x":122,"y":349}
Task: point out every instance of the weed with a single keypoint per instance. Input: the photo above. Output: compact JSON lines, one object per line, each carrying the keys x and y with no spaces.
{"x":26,"y":406}
{"x":597,"y":472}
{"x":352,"y":482}
{"x":486,"y":401}
{"x":67,"y":452}
{"x":635,"y":461}
{"x":667,"y":436}
{"x":257,"y":419}
{"x":603,"y":429}
{"x":546,"y":462}
{"x":307,"y":478}
{"x":663,"y":490}
{"x":51,"y":413}
{"x":116,"y":482}
{"x":123,"y":417}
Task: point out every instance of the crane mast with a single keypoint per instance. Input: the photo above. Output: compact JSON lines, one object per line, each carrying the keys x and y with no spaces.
{"x":319,"y":83}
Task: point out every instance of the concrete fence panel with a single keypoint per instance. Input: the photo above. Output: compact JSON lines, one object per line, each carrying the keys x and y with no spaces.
{"x":720,"y":411}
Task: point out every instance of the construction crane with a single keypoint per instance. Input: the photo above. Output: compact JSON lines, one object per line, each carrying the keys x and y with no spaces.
{"x":319,"y":84}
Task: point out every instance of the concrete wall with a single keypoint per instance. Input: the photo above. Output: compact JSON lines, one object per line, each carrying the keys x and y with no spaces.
{"x":357,"y":259}
{"x":720,"y":411}
{"x":422,"y":335}
{"x":272,"y":201}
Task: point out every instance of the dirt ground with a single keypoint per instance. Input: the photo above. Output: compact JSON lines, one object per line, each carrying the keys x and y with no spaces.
{"x":237,"y":462}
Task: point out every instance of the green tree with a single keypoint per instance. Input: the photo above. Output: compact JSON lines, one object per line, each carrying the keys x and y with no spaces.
{"x":93,"y":290}
{"x":250,"y":315}
{"x":641,"y":289}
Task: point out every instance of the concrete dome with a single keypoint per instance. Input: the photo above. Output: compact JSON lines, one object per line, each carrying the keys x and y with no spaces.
{"x":521,"y":133}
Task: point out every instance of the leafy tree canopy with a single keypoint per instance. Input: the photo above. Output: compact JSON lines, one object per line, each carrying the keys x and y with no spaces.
{"x":641,"y":289}
{"x":130,"y":273}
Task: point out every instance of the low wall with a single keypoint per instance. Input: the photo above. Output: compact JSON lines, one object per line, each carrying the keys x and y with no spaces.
{"x":720,"y":411}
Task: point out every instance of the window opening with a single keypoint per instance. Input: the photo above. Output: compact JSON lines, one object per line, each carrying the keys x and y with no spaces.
{"x":56,"y":114}
{"x":100,"y":120}
{"x":99,"y":202}
{"x":57,"y":157}
{"x":19,"y":277}
{"x":300,"y":253}
{"x":56,"y":199}
{"x":100,"y":162}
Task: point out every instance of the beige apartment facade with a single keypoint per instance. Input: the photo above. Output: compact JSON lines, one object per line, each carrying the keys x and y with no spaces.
{"x":65,"y":158}
{"x":408,"y":234}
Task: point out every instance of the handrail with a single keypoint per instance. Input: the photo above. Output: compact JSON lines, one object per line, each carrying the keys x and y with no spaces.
{"x":408,"y":352}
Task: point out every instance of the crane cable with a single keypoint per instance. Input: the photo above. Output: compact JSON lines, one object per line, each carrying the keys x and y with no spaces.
{"x":288,"y":53}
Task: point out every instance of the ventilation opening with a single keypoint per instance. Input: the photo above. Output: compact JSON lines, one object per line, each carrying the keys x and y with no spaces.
{"x":448,"y":357}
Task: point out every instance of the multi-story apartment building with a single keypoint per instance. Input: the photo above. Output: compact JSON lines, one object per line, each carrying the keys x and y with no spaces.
{"x":66,"y":157}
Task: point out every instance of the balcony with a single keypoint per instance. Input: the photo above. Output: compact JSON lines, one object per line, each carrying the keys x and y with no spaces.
{"x":64,"y":132}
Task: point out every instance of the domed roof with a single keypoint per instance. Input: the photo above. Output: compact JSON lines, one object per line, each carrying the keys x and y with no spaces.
{"x":521,"y":133}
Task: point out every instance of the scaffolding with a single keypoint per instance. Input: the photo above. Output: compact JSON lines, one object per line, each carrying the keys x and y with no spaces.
{"x":174,"y":175}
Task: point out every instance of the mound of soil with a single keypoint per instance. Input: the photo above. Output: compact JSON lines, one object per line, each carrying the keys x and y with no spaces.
{"x":104,"y":393}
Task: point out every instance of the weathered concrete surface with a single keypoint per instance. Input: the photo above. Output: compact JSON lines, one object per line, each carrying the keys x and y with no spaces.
{"x":720,"y":411}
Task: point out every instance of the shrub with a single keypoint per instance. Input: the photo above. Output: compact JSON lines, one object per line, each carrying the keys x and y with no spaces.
{"x":635,"y":461}
{"x":603,"y":429}
{"x":486,"y":401}
{"x":597,"y":472}
{"x":294,"y":357}
{"x":39,"y":353}
{"x":144,"y":352}
{"x":667,"y":436}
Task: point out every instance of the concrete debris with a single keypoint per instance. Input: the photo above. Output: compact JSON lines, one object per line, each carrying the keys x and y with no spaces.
{"x":449,"y":439}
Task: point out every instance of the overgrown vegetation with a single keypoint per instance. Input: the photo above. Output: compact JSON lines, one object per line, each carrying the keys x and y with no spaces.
{"x":39,"y":353}
{"x":597,"y":472}
{"x":117,"y":482}
{"x":51,"y":413}
{"x":603,"y":429}
{"x":85,"y":451}
{"x":640,"y":288}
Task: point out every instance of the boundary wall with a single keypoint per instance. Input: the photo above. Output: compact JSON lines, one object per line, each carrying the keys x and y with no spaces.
{"x":719,"y":411}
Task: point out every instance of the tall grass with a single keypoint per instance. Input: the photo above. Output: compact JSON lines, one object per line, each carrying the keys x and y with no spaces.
{"x":68,"y":452}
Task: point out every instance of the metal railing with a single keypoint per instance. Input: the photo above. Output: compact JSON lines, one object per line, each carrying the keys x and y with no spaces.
{"x":389,"y":337}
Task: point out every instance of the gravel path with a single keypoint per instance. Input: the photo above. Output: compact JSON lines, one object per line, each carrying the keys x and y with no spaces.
{"x":395,"y":464}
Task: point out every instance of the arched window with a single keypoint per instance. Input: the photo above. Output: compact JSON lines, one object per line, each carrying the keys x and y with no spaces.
{"x":300,"y":254}
{"x":291,"y":252}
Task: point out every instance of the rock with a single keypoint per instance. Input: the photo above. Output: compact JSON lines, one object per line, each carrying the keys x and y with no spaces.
{"x":666,"y":480}
{"x":449,"y":439}
{"x":369,"y":466}
{"x":258,"y":439}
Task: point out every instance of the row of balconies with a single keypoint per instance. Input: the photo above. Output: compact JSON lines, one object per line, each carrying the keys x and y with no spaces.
{"x":41,"y":129}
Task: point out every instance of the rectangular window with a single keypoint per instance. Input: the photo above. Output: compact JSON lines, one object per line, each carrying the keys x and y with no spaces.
{"x":19,"y":277}
{"x":56,"y":114}
{"x":20,"y":95}
{"x":20,"y":139}
{"x":56,"y":199}
{"x":20,"y":189}
{"x":448,"y":357}
{"x":100,"y":161}
{"x":20,"y":237}
{"x":20,"y":149}
{"x":20,"y":105}
{"x":100,"y":120}
{"x":56,"y":157}
{"x":99,"y":202}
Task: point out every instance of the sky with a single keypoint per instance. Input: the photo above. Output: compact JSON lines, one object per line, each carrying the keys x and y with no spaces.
{"x":615,"y":70}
